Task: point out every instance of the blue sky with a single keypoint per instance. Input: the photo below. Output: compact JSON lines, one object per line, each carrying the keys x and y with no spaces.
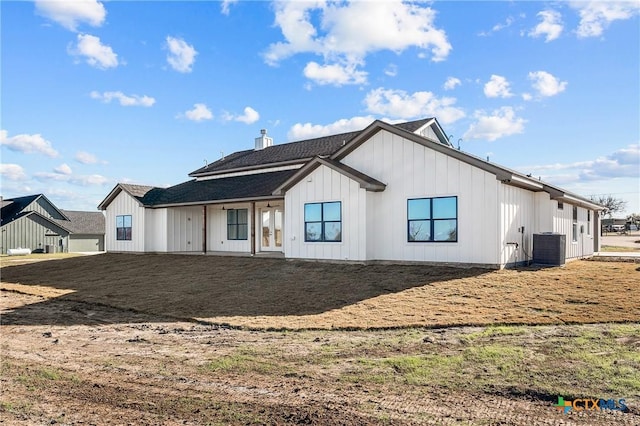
{"x":95,"y":93}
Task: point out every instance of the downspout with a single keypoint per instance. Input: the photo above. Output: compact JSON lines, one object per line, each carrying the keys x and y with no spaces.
{"x":204,"y":229}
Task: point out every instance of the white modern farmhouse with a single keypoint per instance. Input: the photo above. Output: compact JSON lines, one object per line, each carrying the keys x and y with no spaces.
{"x":396,"y":193}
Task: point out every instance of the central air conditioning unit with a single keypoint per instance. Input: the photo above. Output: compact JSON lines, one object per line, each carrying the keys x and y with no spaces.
{"x":549,"y":248}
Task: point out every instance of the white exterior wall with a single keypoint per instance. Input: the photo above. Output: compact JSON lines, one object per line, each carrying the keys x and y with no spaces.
{"x":323,"y":185}
{"x":411,"y":170}
{"x":155,"y":231}
{"x":562,"y":223}
{"x":185,"y":229}
{"x":124,"y":204}
{"x":217,"y":230}
{"x":517,"y":210}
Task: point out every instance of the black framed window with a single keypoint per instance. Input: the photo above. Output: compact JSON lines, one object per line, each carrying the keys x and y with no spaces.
{"x":432,"y":219}
{"x":123,"y":228}
{"x":237,"y":224}
{"x":323,"y":222}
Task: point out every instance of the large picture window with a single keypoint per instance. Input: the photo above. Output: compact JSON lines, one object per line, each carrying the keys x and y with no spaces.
{"x":432,"y":219}
{"x":123,"y":228}
{"x":323,"y":221}
{"x":237,"y":224}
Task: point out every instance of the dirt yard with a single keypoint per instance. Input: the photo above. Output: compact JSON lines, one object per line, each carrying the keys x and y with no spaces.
{"x":144,"y":339}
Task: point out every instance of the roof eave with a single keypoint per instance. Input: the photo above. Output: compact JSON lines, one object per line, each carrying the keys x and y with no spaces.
{"x":216,"y":202}
{"x":252,"y":168}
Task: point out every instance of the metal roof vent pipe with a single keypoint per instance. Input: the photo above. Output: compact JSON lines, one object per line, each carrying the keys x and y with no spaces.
{"x":263,"y":141}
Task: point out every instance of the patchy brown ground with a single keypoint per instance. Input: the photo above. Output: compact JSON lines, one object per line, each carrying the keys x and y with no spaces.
{"x":278,"y":294}
{"x":111,"y":339}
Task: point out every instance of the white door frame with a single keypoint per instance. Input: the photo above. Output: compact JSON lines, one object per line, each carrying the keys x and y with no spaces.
{"x":270,"y":234}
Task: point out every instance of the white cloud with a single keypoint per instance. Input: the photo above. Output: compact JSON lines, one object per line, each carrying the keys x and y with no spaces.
{"x":337,"y":32}
{"x":527,"y":96}
{"x":224,"y":6}
{"x":391,"y":70}
{"x":400,"y":104}
{"x":622,"y":163}
{"x":28,"y":144}
{"x":500,"y":123}
{"x":497,"y":87}
{"x":181,"y":55}
{"x":335,"y":74}
{"x":80,"y":180}
{"x":125,"y":100}
{"x":498,"y":27}
{"x":546,"y":84}
{"x":595,"y":16}
{"x":307,"y":130}
{"x":451,"y":83}
{"x":199,"y":112}
{"x":12,"y":172}
{"x":250,"y":116}
{"x":70,"y":14}
{"x":63,"y":169}
{"x":87,"y":158}
{"x":96,"y":54}
{"x":550,"y":25}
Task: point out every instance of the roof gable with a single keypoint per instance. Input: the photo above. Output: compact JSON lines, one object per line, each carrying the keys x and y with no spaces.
{"x":303,"y":151}
{"x":366,"y":182}
{"x":12,"y":208}
{"x":138,"y":192}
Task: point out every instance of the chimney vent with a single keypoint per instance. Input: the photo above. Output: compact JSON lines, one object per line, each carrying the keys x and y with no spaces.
{"x":263,"y":141}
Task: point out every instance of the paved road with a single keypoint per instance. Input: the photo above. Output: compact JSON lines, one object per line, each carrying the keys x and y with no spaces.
{"x":621,"y":240}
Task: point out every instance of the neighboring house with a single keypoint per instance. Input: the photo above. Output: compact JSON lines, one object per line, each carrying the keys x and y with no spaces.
{"x":387,"y":193}
{"x":87,"y":231}
{"x":34,"y":222}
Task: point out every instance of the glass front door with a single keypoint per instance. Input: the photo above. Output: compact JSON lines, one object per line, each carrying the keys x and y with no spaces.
{"x":271,"y":234}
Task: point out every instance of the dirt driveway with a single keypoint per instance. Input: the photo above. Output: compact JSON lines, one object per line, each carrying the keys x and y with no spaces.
{"x":117,"y":339}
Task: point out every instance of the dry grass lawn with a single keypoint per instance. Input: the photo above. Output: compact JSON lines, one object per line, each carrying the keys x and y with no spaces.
{"x":277,"y":294}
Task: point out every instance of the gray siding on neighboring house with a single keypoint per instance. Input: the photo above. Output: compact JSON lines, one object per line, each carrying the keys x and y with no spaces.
{"x":33,"y":232}
{"x":86,"y":243}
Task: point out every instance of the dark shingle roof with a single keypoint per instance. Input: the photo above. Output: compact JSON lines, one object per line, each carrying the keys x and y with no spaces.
{"x":211,"y":190}
{"x":11,"y":208}
{"x":84,"y":222}
{"x":280,"y":153}
{"x":292,"y":151}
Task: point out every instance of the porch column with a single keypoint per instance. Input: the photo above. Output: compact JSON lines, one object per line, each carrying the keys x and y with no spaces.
{"x":253,"y":227}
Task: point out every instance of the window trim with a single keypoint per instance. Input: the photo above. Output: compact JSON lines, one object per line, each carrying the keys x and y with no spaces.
{"x":574,"y":224}
{"x":124,"y":228}
{"x":237,"y":225}
{"x":322,"y":222}
{"x":589,"y":222}
{"x":432,"y":220}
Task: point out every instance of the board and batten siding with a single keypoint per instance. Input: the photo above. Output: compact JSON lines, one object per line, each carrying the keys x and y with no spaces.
{"x":217,"y":229}
{"x":33,"y":232}
{"x":155,"y":230}
{"x":563,"y":224}
{"x":184,"y":229}
{"x":326,"y":185}
{"x":124,"y":204}
{"x":517,"y":224}
{"x":411,"y":170}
